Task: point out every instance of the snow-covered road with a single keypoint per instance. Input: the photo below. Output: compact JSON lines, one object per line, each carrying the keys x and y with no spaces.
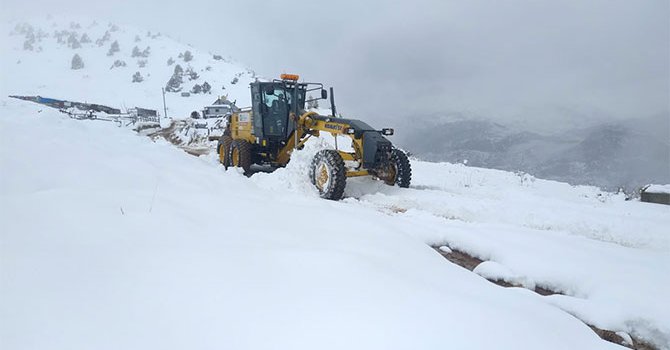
{"x":109,"y":240}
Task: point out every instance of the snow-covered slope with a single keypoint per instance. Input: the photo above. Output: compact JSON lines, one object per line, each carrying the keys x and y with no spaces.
{"x":37,"y":58}
{"x":110,"y":240}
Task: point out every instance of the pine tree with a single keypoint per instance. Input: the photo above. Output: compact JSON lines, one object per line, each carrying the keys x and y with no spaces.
{"x":114,"y":48}
{"x":192,"y":75}
{"x":77,"y":62}
{"x":59,"y":34}
{"x":174,"y":84}
{"x":206,"y":88}
{"x":137,"y":77}
{"x":28,"y":44}
{"x":178,"y":70}
{"x":85,"y":39}
{"x":105,"y":38}
{"x":118,"y":63}
{"x":136,"y":52}
{"x":72,"y":41}
{"x":188,"y":56}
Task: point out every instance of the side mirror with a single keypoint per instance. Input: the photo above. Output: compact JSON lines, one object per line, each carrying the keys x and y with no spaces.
{"x":324,"y":94}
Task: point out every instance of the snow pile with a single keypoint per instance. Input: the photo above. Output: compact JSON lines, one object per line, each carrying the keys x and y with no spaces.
{"x":295,"y":176}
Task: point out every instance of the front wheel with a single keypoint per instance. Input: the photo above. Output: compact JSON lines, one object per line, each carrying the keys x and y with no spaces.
{"x":328,"y":174}
{"x":403,"y":170}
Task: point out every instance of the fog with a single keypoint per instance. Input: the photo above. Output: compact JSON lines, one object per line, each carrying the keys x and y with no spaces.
{"x":540,"y":61}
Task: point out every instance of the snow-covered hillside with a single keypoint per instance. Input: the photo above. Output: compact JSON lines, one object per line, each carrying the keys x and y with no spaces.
{"x":37,"y":60}
{"x":112,"y":240}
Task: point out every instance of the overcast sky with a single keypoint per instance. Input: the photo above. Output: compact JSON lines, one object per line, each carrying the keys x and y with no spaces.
{"x":501,"y":59}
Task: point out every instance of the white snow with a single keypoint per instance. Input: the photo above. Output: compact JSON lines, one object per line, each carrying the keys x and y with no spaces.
{"x":98,"y":83}
{"x":111,"y":241}
{"x":445,"y":249}
{"x":493,"y":271}
{"x":626,"y":338}
{"x":658,"y":189}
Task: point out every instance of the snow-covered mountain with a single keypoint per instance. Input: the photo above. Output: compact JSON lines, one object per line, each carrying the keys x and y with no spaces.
{"x":113,"y":240}
{"x":612,"y":155}
{"x":38,"y":59}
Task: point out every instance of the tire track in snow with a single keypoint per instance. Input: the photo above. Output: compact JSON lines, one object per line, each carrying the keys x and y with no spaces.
{"x":471,"y":262}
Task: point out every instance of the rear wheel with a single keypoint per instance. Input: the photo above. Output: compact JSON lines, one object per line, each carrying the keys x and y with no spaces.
{"x":240,"y":155}
{"x":223,"y":148}
{"x":328,"y":174}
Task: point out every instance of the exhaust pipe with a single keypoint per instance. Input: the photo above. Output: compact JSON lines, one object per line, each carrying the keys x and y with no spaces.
{"x":332,"y":102}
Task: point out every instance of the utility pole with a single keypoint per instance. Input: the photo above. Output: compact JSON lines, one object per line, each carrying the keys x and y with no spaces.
{"x":164,"y":106}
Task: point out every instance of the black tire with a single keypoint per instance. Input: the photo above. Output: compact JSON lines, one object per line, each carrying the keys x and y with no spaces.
{"x":403,"y":168}
{"x":240,"y":155}
{"x":328,"y":174}
{"x":223,"y":149}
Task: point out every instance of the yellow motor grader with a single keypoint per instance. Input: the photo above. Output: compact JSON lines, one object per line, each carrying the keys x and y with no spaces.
{"x":277,"y":123}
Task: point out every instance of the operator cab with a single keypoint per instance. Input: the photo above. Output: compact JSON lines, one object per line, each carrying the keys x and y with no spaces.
{"x":276,"y":104}
{"x":274,"y":101}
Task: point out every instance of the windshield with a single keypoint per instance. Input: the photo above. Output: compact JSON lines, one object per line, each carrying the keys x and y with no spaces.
{"x":282,"y":95}
{"x":278,"y":101}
